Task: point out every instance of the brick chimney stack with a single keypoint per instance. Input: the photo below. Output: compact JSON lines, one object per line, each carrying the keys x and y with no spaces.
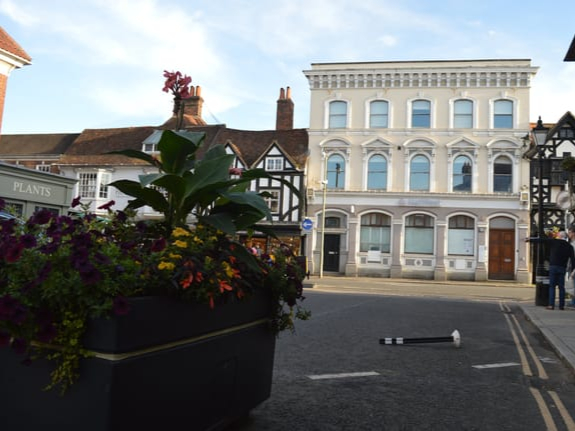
{"x":284,"y":117}
{"x":193,"y":104}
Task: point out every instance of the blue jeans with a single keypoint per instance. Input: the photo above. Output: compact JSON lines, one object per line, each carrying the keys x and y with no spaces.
{"x":557,"y":278}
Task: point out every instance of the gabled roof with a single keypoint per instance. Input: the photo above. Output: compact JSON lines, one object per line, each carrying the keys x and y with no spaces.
{"x":36,"y":144}
{"x":567,"y":118}
{"x":570,"y":56}
{"x":252,"y":144}
{"x":11,"y":47}
{"x":91,"y":146}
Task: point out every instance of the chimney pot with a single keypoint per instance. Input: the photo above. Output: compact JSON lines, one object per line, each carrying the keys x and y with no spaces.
{"x":285,"y":107}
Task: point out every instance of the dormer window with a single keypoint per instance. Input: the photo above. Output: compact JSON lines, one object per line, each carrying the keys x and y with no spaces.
{"x":150,"y":144}
{"x":274,"y":164}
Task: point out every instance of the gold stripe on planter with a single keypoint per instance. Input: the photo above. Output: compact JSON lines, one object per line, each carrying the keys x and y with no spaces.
{"x":136,"y":353}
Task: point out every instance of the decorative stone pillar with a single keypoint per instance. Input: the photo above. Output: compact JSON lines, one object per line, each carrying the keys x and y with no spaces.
{"x":351,"y":264}
{"x":481,"y":266}
{"x":440,"y":272}
{"x":396,"y":269}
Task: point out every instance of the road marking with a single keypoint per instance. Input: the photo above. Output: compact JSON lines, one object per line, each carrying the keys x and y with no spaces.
{"x":522,"y":357}
{"x":544,"y":410}
{"x":500,"y":365}
{"x":569,"y":423}
{"x":342,"y":375}
{"x":538,"y":364}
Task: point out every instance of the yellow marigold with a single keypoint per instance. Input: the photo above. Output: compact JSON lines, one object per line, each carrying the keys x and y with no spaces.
{"x":166,"y":265}
{"x":175,"y":256}
{"x":181,"y":244}
{"x":198,"y":240}
{"x":228,"y":269}
{"x":180,"y":231}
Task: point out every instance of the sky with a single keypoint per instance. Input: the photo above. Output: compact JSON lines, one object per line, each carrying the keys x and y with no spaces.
{"x":100,"y":63}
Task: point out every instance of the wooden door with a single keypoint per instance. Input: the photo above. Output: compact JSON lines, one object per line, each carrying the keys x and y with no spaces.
{"x":501,"y":254}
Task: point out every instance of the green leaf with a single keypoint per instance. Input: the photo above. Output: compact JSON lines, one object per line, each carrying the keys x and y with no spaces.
{"x":150,"y":197}
{"x":251,"y":199}
{"x":212,"y":173}
{"x":176,"y":148}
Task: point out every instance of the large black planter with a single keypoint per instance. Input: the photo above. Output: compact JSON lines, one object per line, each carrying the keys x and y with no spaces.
{"x":164,"y":366}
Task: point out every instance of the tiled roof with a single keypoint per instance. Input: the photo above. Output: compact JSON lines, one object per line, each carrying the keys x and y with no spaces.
{"x":91,"y":146}
{"x":36,"y":144}
{"x":253,"y":144}
{"x":10,"y":46}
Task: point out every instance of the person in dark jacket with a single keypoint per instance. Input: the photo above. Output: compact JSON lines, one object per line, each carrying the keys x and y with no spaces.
{"x":561,"y":254}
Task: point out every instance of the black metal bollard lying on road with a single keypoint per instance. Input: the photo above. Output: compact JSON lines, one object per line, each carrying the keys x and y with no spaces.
{"x":454,"y":338}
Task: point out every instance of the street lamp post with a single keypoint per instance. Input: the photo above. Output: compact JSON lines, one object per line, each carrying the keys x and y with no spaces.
{"x":541,"y":279}
{"x":322,"y":249}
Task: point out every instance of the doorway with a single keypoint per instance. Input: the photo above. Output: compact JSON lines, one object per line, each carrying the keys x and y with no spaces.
{"x":331,"y":253}
{"x":501,"y":254}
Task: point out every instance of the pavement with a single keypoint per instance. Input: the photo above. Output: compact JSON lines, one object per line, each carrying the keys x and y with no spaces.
{"x":557,"y":326}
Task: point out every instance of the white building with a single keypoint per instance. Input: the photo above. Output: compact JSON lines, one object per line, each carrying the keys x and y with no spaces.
{"x":424,"y":167}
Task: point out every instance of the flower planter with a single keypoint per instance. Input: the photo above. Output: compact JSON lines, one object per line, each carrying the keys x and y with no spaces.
{"x":165,"y":365}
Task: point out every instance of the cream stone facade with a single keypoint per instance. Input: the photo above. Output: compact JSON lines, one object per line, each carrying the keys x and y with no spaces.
{"x":419,"y":167}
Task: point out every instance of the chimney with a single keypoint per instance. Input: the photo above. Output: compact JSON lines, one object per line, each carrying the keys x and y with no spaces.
{"x":284,"y":117}
{"x":193,"y":104}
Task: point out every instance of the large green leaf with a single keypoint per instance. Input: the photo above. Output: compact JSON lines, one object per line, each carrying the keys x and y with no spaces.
{"x":209,"y":173}
{"x":176,"y":148}
{"x":146,"y":180}
{"x":151,"y":197}
{"x":173,"y":184}
{"x":250,"y":199}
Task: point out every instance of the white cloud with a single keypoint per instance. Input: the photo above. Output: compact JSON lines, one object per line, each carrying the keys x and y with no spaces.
{"x":388,"y":40}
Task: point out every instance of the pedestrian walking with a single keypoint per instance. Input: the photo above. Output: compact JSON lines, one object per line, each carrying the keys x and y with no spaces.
{"x":561,"y":255}
{"x":571,"y":235}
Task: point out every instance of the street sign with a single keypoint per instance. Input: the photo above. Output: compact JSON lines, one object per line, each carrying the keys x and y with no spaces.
{"x":307,"y":224}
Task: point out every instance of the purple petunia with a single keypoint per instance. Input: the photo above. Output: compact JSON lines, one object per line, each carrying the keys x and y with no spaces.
{"x":28,"y":240}
{"x":89,"y":274}
{"x":107,"y":206}
{"x":159,"y":244}
{"x":13,"y":252}
{"x":41,"y":217}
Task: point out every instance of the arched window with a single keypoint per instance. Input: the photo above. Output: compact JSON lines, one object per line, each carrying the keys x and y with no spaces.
{"x":377,"y":173}
{"x":337,"y":114}
{"x":461,"y":235}
{"x":419,"y":173}
{"x":462,"y":174}
{"x":421,"y":113}
{"x":463,"y":114}
{"x":378,"y":114}
{"x":419,"y":232}
{"x":375,"y":232}
{"x":335,"y":172}
{"x":503,"y":114}
{"x":502,"y":175}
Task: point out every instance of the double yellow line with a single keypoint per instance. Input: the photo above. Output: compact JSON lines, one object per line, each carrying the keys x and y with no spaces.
{"x":517,"y":331}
